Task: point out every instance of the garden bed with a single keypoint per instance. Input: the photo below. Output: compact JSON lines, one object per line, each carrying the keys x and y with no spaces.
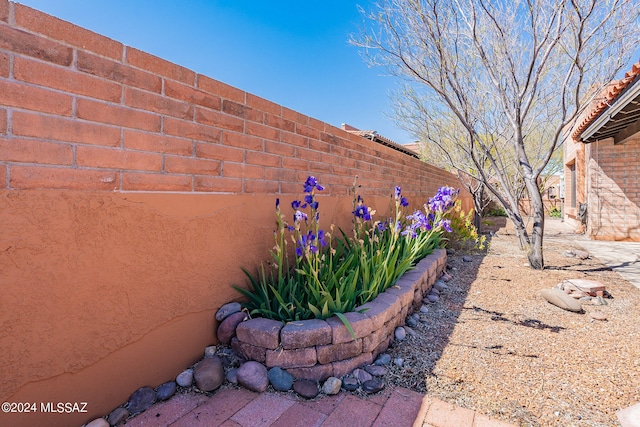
{"x":318,"y":349}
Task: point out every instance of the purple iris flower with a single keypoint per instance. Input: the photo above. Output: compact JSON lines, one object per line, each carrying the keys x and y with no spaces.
{"x":362,"y":211}
{"x":277,"y":202}
{"x":295,"y":204}
{"x":312,"y":183}
{"x":299,"y":216}
{"x":404,"y":202}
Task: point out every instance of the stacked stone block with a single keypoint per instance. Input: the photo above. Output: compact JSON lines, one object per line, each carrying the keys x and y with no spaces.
{"x":318,"y":349}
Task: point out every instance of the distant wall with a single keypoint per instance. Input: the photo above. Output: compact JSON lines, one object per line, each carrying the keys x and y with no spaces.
{"x":133,"y":190}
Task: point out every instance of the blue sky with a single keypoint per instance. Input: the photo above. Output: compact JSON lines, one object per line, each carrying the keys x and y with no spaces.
{"x":294,"y":53}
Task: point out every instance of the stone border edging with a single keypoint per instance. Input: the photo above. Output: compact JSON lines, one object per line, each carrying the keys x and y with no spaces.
{"x":318,"y":349}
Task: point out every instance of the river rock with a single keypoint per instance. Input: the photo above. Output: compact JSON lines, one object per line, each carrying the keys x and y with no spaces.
{"x":331,"y":386}
{"x":424,"y":309}
{"x":232,"y":376}
{"x":306,"y":388}
{"x":227,"y":310}
{"x":166,"y":390}
{"x":440,"y":285}
{"x":117,"y":416}
{"x":410,"y":331}
{"x":373,"y":386}
{"x":597,"y":315}
{"x":446,"y":277}
{"x":185,"y":378}
{"x":431,"y":298}
{"x":209,"y":374}
{"x":434,"y":291}
{"x":227,"y":328}
{"x":253,"y":376}
{"x":400,"y":333}
{"x":210,"y":351}
{"x":411,"y":321}
{"x":141,"y":400}
{"x":376,"y":371}
{"x":361,"y":375}
{"x":398,"y":361}
{"x":98,"y":422}
{"x":562,"y":300}
{"x":280,"y":379}
{"x":467,"y":258}
{"x":350,"y":383}
{"x":383,"y":359}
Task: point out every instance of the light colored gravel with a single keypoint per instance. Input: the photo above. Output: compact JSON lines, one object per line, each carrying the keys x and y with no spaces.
{"x":494,"y":345}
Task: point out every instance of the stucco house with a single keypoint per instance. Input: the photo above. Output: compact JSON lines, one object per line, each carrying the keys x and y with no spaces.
{"x":602,"y":164}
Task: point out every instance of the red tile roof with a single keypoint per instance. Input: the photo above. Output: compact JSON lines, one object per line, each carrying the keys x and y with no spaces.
{"x":605,"y":100}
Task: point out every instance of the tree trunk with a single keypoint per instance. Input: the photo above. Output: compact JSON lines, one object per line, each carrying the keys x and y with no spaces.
{"x":478,"y":205}
{"x":536,"y":258}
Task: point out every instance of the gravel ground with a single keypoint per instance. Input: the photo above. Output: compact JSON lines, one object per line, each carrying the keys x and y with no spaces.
{"x":494,"y":345}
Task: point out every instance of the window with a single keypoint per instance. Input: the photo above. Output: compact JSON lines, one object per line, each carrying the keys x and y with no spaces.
{"x":572,"y":169}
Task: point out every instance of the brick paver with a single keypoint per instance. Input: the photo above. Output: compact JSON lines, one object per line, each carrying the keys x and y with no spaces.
{"x":397,"y":407}
{"x":444,"y":414}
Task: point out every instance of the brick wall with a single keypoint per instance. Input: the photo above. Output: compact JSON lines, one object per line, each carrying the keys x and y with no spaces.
{"x":81,"y":111}
{"x":614,"y":189}
{"x":132,"y":191}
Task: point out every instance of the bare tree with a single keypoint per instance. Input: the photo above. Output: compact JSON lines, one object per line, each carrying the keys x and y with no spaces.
{"x":513,"y":74}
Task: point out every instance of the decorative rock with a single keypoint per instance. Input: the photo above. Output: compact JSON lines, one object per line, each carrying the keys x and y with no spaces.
{"x":410,"y":331}
{"x":209,"y":374}
{"x":446,"y":277}
{"x":361,"y":375}
{"x":376,"y":371}
{"x":585,"y":299}
{"x":398,"y":361}
{"x":411,"y":321}
{"x":253,"y":376}
{"x":332,"y":386}
{"x":232,"y":376}
{"x":210,"y":351}
{"x":280,"y":379}
{"x":98,"y":422}
{"x":400,"y":333}
{"x":166,"y":390}
{"x":434,"y":291}
{"x":562,"y":300}
{"x":227,"y":328}
{"x":141,"y":400}
{"x":373,"y":386}
{"x":451,"y":251}
{"x":306,"y":388}
{"x":598,"y":315}
{"x":440,"y":285}
{"x":432,"y":298}
{"x":383,"y":359}
{"x":185,"y":378}
{"x":350,"y":384}
{"x":467,"y":259}
{"x":424,"y":309}
{"x":227,"y":310}
{"x":117,"y":416}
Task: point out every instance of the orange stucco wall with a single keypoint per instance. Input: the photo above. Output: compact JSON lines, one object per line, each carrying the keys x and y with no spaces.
{"x":132,"y":192}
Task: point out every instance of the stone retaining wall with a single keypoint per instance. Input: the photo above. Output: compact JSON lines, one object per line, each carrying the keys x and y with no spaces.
{"x":318,"y":349}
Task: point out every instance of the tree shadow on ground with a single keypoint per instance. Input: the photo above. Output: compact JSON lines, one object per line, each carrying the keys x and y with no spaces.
{"x":421,"y":352}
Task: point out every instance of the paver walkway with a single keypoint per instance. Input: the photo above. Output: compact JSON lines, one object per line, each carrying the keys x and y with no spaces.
{"x":397,"y":407}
